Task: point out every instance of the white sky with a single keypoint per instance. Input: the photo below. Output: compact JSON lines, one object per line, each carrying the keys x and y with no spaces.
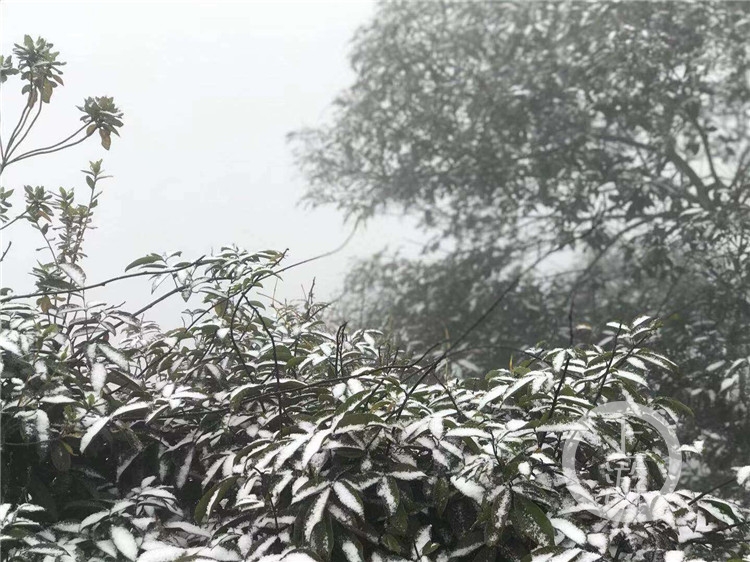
{"x":209,"y":91}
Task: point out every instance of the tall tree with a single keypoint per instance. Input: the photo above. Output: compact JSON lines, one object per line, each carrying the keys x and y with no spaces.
{"x":608,"y":141}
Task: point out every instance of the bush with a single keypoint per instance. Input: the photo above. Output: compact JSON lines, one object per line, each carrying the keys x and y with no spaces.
{"x":254,"y":433}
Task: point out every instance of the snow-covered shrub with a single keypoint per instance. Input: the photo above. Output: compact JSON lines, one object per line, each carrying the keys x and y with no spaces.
{"x":253,"y":432}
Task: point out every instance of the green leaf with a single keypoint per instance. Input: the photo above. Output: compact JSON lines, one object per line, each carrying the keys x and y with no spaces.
{"x":388,"y":491}
{"x":210,"y":499}
{"x":399,"y":523}
{"x":60,"y":457}
{"x":675,"y":405}
{"x":391,"y":543}
{"x":530,"y":521}
{"x":351,"y":548}
{"x":74,"y":272}
{"x":151,"y":258}
{"x":106,"y":138}
{"x":441,"y":495}
{"x":354,"y":420}
{"x":54,"y":283}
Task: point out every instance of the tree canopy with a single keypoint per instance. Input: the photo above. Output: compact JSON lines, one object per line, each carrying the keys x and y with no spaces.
{"x":605,"y":143}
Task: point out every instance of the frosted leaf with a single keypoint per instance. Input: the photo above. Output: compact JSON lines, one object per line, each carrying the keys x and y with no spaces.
{"x":715,"y":366}
{"x":452,"y":449}
{"x":348,"y":498}
{"x":436,"y":427}
{"x":407,"y":473}
{"x":557,"y":427}
{"x":4,"y":509}
{"x":569,"y":530}
{"x":184,"y":469}
{"x":566,"y":556}
{"x":491,"y":395}
{"x":113,"y":355}
{"x":346,"y":518}
{"x":351,"y":552}
{"x":423,"y":538}
{"x":290,"y":449}
{"x":388,"y":491}
{"x":440,"y":458}
{"x":307,"y":491}
{"x":559,"y":361}
{"x":728,"y":382}
{"x":188,"y":528}
{"x":281,"y":485}
{"x":42,"y":427}
{"x":631,"y":377}
{"x":92,"y":431}
{"x":467,"y":432}
{"x":49,"y":551}
{"x":74,"y":272}
{"x":107,"y":547}
{"x":468,"y":488}
{"x":298,"y":557}
{"x":129,"y":408}
{"x":166,"y":553}
{"x":720,"y":510}
{"x":159,"y":493}
{"x":122,"y":505}
{"x":260,"y":550}
{"x":212,"y":470}
{"x":29,"y":508}
{"x":640,"y":320}
{"x":244,"y":543}
{"x":469,"y":548}
{"x":635,"y":362}
{"x":641,"y":473}
{"x":515,"y":425}
{"x":58,"y":399}
{"x":92,"y":519}
{"x":743,"y":476}
{"x":599,"y":541}
{"x":313,"y":446}
{"x":218,"y":553}
{"x":8,"y":345}
{"x":125,"y":542}
{"x":518,"y":385}
{"x":98,"y":377}
{"x":414,"y":429}
{"x":316,"y":513}
{"x":524,"y":468}
{"x":588,"y":557}
{"x":338,"y":391}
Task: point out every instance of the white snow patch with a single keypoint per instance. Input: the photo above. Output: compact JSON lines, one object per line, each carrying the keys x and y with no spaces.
{"x":165,"y":553}
{"x":351,"y":551}
{"x":468,"y":488}
{"x":347,"y":498}
{"x":125,"y":542}
{"x":316,"y":514}
{"x":98,"y":378}
{"x":569,"y":530}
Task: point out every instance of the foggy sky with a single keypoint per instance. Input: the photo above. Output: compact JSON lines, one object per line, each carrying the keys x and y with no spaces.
{"x":209,"y":91}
